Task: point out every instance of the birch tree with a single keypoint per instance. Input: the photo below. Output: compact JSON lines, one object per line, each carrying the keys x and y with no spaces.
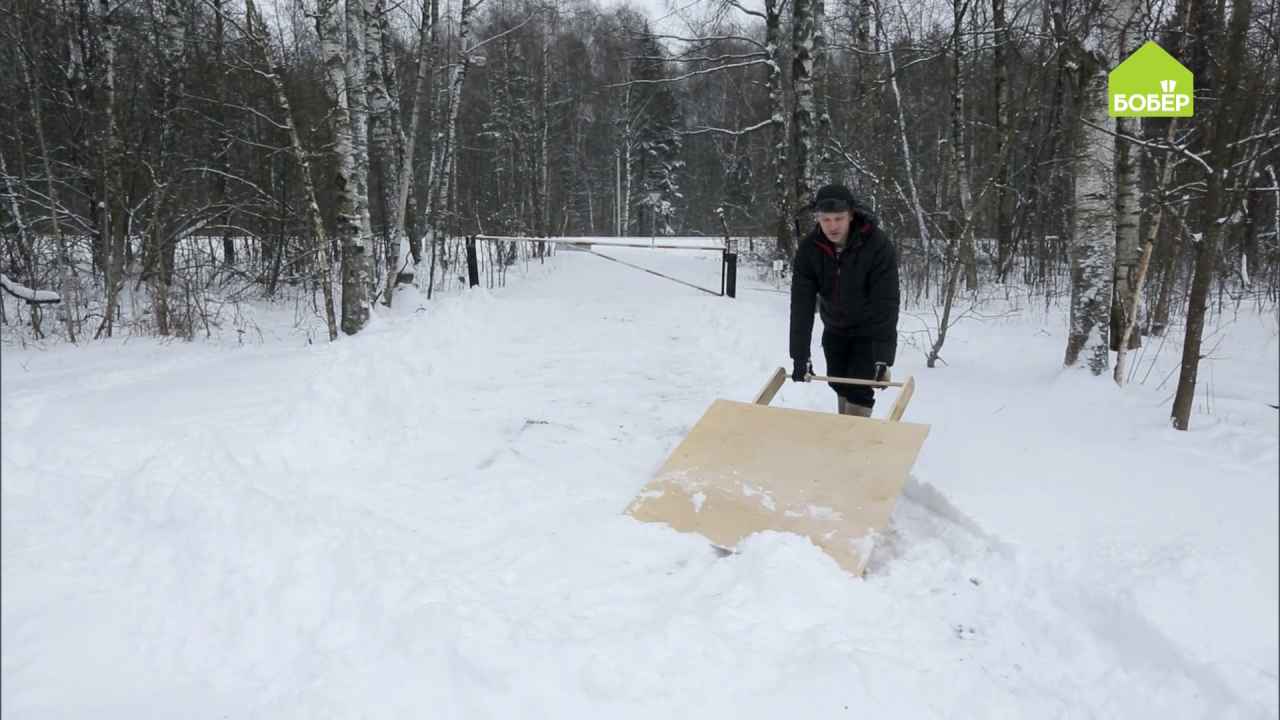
{"x":1000,"y":96}
{"x":542,"y":200}
{"x":419,"y":105}
{"x":778,"y":114}
{"x":443,"y":150}
{"x":357,"y":79}
{"x":1093,"y":243}
{"x":1164,"y":174}
{"x":959,"y":155}
{"x":387,"y":142}
{"x":1124,"y":308}
{"x":220,"y":121}
{"x":802,"y":109}
{"x":161,"y":243}
{"x":903,"y":143}
{"x":822,"y":162}
{"x":349,"y":226}
{"x":274,"y":71}
{"x":625,"y":161}
{"x":110,"y":161}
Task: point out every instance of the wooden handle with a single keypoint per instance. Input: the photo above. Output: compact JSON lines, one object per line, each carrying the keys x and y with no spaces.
{"x":855,"y":381}
{"x":772,"y":387}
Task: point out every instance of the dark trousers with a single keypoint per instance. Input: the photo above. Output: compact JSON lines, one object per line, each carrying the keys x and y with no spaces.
{"x":850,"y":357}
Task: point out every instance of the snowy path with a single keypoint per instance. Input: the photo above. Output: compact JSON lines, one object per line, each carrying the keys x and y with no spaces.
{"x":425,"y":521}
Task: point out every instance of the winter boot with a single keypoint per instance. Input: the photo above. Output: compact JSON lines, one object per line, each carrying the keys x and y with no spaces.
{"x":848,"y":408}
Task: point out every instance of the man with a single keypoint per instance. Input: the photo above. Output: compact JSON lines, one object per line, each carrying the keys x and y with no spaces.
{"x":848,"y":267}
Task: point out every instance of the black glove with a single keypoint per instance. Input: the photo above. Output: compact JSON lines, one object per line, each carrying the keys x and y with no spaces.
{"x":882,"y":372}
{"x":801,"y":370}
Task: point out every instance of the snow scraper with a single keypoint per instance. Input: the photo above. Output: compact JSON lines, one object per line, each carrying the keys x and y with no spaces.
{"x":748,"y":467}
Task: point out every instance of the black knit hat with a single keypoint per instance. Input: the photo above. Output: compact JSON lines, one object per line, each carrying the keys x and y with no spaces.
{"x":834,"y":198}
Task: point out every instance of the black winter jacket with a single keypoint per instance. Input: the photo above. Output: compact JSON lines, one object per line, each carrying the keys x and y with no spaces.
{"x":855,"y":290}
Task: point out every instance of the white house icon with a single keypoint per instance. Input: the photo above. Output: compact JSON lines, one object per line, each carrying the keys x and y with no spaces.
{"x":1168,"y":85}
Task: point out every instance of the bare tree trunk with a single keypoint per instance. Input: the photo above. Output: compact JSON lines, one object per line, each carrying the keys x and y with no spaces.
{"x":778,"y":107}
{"x":917,"y":210}
{"x":1246,"y":200}
{"x":455,"y":107}
{"x":822,"y":92}
{"x":1249,"y":255}
{"x":949,"y":295}
{"x":158,"y":255}
{"x":1168,"y":278}
{"x":1093,"y":245}
{"x":358,"y":106}
{"x":860,"y":14}
{"x":1094,"y":233}
{"x":275,"y":73}
{"x":1128,"y":213}
{"x":627,"y":167}
{"x":420,"y":98}
{"x":1222,"y":151}
{"x":83,"y":71}
{"x":1128,"y":251}
{"x":617,"y":190}
{"x":1134,"y":299}
{"x":1275,"y":204}
{"x":802,"y":110}
{"x":542,"y":200}
{"x":25,"y":243}
{"x":115,"y":237}
{"x":959,"y":154}
{"x":70,"y":288}
{"x":438,"y":194}
{"x":386,"y":150}
{"x":355,"y":256}
{"x":1004,"y":222}
{"x":220,"y":120}
{"x":863,"y":34}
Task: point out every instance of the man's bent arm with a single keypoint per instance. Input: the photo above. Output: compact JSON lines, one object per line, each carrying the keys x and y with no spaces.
{"x":885,"y":300}
{"x":804,"y":299}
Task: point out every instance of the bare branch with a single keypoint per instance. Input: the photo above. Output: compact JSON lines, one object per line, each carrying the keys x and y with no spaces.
{"x":687,"y":58}
{"x":1256,"y":137}
{"x":22,"y":292}
{"x":732,"y":133}
{"x":1182,"y":150}
{"x":486,"y":41}
{"x":710,"y":39}
{"x":688,"y":74}
{"x":746,"y":11}
{"x":229,"y":176}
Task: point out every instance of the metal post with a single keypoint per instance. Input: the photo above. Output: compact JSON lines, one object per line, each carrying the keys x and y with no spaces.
{"x":473,"y":265}
{"x":731,"y":274}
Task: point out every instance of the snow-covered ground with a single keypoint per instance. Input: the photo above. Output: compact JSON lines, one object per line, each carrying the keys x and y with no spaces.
{"x":426,"y":521}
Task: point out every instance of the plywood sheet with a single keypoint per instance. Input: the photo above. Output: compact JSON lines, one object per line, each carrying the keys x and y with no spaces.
{"x":744,"y":468}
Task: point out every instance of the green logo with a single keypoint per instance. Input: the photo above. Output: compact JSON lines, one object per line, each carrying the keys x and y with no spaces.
{"x":1150,"y":83}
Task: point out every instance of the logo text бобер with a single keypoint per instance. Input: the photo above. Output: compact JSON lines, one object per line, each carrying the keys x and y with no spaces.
{"x":1150,"y":83}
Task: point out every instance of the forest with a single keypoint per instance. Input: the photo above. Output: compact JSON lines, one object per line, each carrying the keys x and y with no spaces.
{"x":161,"y":158}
